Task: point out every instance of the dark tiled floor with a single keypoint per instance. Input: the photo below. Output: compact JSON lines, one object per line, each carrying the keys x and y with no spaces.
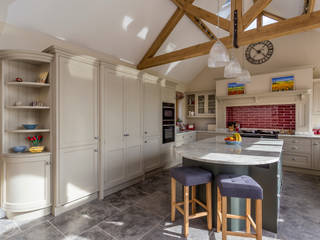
{"x":142,"y":212}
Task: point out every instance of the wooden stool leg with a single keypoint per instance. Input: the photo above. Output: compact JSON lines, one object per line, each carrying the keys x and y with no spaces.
{"x":248,"y":213}
{"x":224,"y":218}
{"x":173,"y":199}
{"x":186,"y":211}
{"x":193,"y":199}
{"x":218,"y":210}
{"x":209,"y":205}
{"x":259,"y":219}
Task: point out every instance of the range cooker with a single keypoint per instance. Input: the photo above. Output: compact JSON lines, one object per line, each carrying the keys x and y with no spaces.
{"x":259,"y":133}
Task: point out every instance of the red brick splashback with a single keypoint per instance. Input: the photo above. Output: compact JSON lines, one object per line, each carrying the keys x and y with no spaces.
{"x":263,"y":117}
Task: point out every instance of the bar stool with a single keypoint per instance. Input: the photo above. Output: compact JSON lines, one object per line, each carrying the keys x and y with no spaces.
{"x":191,"y":176}
{"x":239,"y":187}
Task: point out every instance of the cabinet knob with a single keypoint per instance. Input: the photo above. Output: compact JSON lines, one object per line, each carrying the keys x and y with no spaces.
{"x":293,"y":159}
{"x":96,"y":138}
{"x":316,"y":144}
{"x":126,"y":134}
{"x":48,"y":162}
{"x":145,"y":141}
{"x":145,"y":132}
{"x":96,"y":150}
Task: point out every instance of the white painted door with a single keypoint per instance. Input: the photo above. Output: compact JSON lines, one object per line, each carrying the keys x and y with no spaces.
{"x":132,"y":129}
{"x":316,"y":154}
{"x":151,"y":153}
{"x":27,"y":183}
{"x":77,"y":129}
{"x":113,"y":129}
{"x":152,"y":109}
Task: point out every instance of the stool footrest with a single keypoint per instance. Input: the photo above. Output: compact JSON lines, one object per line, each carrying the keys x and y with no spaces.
{"x":241,"y":234}
{"x":199,"y":214}
{"x":252,"y":222}
{"x":236,"y":217}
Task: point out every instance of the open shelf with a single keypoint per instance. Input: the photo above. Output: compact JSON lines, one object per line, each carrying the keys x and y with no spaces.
{"x":28,"y":107}
{"x":29,"y":84}
{"x":28,"y":131}
{"x":25,"y":154}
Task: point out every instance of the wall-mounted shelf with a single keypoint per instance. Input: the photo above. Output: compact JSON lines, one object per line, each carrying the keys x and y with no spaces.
{"x":25,"y":154}
{"x":28,"y":131}
{"x":29,"y":84}
{"x":211,"y":116}
{"x":29,"y":107}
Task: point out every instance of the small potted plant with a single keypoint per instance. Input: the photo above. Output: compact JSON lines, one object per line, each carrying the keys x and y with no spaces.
{"x":35,"y":142}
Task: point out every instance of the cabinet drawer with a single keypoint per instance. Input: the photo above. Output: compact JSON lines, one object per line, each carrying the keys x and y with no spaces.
{"x":297,"y":145}
{"x":303,"y":161}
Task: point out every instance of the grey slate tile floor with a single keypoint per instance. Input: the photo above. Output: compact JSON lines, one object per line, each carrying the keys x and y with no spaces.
{"x":142,"y":212}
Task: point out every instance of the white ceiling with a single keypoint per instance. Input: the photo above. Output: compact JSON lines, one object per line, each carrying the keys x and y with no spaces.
{"x":125,"y":28}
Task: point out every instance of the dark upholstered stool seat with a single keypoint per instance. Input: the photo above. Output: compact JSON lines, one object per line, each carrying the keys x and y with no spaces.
{"x":191,"y":176}
{"x":239,"y":186}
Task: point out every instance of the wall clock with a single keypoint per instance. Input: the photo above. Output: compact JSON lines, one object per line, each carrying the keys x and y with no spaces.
{"x":260,"y":52}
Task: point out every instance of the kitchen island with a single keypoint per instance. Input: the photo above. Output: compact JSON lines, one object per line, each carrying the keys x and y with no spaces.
{"x":256,"y":157}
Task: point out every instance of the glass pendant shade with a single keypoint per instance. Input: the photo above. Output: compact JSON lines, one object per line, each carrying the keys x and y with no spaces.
{"x":233,"y":69}
{"x":218,"y":56}
{"x":244,"y":77}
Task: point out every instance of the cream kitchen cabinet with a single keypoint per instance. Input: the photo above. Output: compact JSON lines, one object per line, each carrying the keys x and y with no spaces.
{"x":121,"y":119}
{"x":201,"y":105}
{"x":316,"y":154}
{"x":26,"y":181}
{"x":168,"y":94}
{"x":75,"y":100}
{"x":152,"y":124}
{"x":297,"y":152}
{"x":316,"y":97}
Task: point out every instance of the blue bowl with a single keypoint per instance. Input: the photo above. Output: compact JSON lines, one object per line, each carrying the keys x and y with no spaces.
{"x":18,"y":149}
{"x":29,"y":126}
{"x":232,"y":142}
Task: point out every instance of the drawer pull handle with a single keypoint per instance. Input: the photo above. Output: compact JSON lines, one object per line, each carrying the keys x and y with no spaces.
{"x":293,"y":159}
{"x":294,"y":148}
{"x":316,"y":144}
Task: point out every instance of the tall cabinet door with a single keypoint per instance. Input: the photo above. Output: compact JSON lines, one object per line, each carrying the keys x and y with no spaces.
{"x":113,"y":146}
{"x":77,"y":129}
{"x":151,"y":109}
{"x":132,"y":130}
{"x":151,"y":153}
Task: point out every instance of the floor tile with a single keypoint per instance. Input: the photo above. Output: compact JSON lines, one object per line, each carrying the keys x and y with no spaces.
{"x":94,"y":233}
{"x":131,"y":224}
{"x":125,"y":198}
{"x":30,"y":223}
{"x":43,"y":231}
{"x":158,"y":202}
{"x":8,"y":228}
{"x":79,"y":219}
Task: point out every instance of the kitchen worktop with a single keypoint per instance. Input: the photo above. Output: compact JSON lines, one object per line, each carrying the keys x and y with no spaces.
{"x":252,"y":151}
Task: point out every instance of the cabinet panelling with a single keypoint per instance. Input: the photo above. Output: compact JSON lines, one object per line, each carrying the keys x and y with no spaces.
{"x":295,"y":160}
{"x":151,"y":153}
{"x":168,"y":94}
{"x":151,"y":109}
{"x":77,"y":97}
{"x":292,"y":145}
{"x":121,"y":127}
{"x":26,"y":183}
{"x":202,"y":105}
{"x":316,"y":154}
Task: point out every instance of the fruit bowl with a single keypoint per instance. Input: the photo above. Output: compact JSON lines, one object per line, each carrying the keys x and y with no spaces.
{"x":232,"y":142}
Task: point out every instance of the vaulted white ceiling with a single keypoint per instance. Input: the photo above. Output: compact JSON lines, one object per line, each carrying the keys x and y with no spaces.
{"x":126,"y":28}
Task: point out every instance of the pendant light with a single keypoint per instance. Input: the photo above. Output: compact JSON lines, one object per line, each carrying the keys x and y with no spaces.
{"x":218,"y":56}
{"x":233,"y":68}
{"x":245,"y":76}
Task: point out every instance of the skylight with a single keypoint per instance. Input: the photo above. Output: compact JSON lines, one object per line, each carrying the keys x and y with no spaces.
{"x":126,"y":22}
{"x":265,"y":21}
{"x":143,"y":33}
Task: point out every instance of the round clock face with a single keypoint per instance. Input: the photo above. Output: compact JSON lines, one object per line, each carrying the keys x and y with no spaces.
{"x":259,"y":52}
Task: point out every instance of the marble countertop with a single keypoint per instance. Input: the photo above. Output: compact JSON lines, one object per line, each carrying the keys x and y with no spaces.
{"x":252,"y":151}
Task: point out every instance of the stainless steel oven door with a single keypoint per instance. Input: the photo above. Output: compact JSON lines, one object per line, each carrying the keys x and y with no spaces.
{"x":168,"y":133}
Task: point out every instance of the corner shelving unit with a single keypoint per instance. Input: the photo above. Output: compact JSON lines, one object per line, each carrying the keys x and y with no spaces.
{"x":21,"y":191}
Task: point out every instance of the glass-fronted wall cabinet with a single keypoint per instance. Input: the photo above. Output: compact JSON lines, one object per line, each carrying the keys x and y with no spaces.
{"x":201,"y":105}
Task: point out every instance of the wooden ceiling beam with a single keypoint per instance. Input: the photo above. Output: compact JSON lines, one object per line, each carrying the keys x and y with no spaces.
{"x":202,"y":26}
{"x":203,"y":14}
{"x":168,"y":28}
{"x":310,"y":6}
{"x":254,"y":12}
{"x":279,"y":29}
{"x":273,"y":16}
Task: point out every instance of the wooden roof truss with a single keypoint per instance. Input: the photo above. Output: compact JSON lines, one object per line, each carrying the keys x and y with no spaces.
{"x":309,"y":20}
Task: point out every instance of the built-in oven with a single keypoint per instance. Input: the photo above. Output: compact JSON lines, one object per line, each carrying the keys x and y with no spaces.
{"x":168,"y":122}
{"x":168,"y":133}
